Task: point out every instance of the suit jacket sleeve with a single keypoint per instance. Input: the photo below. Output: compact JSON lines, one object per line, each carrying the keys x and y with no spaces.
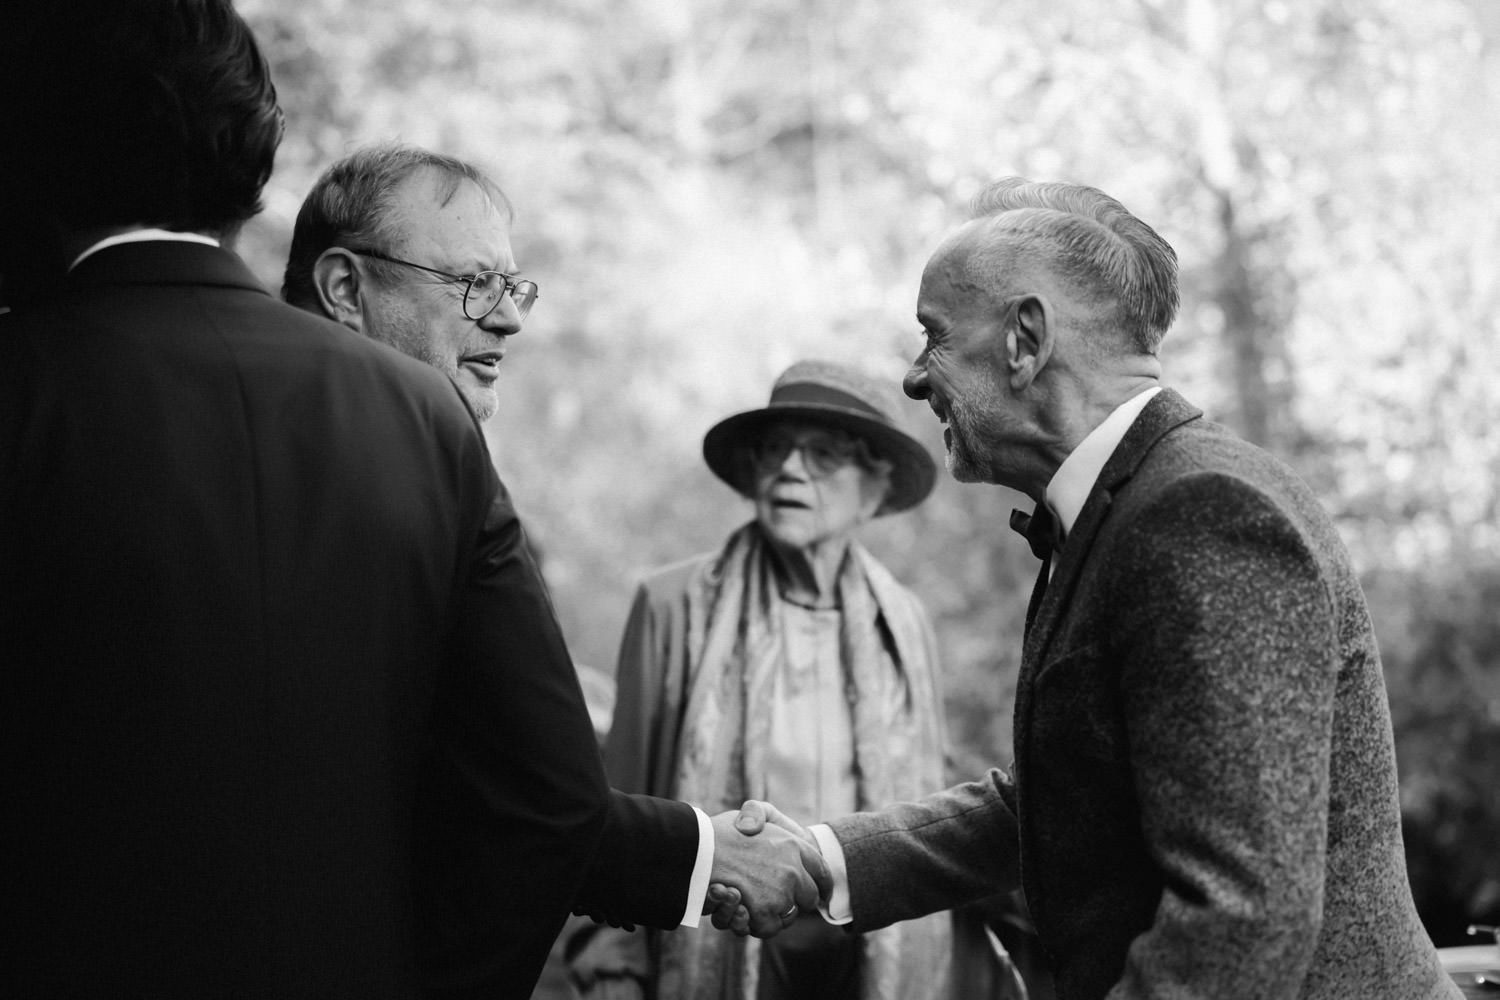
{"x":645,"y":859}
{"x":513,"y":796}
{"x":920,"y":857}
{"x":648,"y":658}
{"x":1230,"y":656}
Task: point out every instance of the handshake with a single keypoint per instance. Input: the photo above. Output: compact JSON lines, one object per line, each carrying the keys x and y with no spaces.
{"x":767,"y":869}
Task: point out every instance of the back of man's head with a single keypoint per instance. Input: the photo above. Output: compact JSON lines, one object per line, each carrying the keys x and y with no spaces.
{"x":135,"y":112}
{"x":352,"y":205}
{"x":1092,"y":241}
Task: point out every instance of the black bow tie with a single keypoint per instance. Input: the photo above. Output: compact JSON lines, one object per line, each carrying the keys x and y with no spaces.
{"x":1041,"y":529}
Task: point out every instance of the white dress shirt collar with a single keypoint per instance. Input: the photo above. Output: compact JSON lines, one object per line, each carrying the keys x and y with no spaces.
{"x":142,"y":236}
{"x":1073,"y":480}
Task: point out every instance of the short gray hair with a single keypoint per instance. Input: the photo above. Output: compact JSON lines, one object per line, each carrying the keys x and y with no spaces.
{"x":350,"y":205}
{"x":1092,"y":241}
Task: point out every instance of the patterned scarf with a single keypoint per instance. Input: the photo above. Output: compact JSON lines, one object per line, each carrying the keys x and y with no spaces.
{"x":734,"y":628}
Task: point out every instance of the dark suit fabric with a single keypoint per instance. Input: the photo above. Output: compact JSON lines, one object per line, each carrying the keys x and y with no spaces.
{"x":287,"y":712}
{"x":641,"y":871}
{"x":1204,"y":798}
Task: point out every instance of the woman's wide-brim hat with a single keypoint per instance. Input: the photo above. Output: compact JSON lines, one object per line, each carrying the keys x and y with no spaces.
{"x":825,"y":393}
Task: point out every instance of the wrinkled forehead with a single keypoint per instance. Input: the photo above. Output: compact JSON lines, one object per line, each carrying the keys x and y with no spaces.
{"x":975,"y":264}
{"x":453,"y":220}
{"x":947,"y":273}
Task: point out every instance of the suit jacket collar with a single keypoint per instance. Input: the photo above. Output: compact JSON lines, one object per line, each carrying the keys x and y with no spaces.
{"x":1074,"y":480}
{"x":1165,"y":411}
{"x":164,"y":262}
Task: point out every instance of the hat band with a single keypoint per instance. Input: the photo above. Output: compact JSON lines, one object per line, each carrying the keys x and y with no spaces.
{"x":811,"y":393}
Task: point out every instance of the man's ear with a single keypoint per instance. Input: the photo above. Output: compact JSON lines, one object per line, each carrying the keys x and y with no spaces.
{"x":1030,"y":336}
{"x":340,"y":287}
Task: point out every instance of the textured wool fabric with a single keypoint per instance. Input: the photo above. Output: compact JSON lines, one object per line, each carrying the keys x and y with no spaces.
{"x":1203,"y":801}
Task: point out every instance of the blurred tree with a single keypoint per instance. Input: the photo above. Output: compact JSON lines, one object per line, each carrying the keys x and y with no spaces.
{"x":709,"y":190}
{"x":1441,"y":640}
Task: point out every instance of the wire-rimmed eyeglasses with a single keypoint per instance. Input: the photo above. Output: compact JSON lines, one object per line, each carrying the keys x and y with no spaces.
{"x":483,"y":290}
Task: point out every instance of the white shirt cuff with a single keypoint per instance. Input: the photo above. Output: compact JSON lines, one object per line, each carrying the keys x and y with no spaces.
{"x":837,"y":910}
{"x":702,"y":868}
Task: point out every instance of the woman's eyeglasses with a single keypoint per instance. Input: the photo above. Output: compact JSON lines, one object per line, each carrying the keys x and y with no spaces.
{"x":823,"y":453}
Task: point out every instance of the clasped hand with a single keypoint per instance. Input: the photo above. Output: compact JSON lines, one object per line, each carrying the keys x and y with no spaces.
{"x":767,"y":869}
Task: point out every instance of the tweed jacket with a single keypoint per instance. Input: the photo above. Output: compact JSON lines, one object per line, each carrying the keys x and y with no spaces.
{"x":1203,"y":801}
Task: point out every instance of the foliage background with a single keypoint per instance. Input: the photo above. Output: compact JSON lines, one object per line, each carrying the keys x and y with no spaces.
{"x":710,"y":190}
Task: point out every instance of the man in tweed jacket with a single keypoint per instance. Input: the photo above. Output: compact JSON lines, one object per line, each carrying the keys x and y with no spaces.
{"x":1203,"y":801}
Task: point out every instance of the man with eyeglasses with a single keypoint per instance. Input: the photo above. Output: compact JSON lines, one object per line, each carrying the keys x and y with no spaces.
{"x":412,"y":248}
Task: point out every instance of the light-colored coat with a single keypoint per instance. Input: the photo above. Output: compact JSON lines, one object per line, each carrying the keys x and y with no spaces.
{"x":664,"y":675}
{"x":1204,"y":799}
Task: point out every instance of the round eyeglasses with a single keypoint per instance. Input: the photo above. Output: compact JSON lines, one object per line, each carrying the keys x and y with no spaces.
{"x":823,"y":453}
{"x":483,"y":290}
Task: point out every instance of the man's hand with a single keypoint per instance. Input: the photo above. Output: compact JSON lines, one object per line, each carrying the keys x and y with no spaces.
{"x":778,"y":874}
{"x":754,"y":815}
{"x":723,"y":902}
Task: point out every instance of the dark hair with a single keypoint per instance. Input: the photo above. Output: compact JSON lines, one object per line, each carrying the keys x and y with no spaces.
{"x":350,"y":205}
{"x":125,"y":112}
{"x":1091,"y":239}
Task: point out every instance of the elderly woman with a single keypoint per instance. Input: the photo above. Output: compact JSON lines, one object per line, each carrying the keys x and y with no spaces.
{"x":789,"y":666}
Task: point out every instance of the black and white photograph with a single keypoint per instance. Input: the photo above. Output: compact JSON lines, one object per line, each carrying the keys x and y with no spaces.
{"x":771,"y":500}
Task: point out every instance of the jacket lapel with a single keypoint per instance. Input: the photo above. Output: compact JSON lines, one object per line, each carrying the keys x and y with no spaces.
{"x":1166,"y":411}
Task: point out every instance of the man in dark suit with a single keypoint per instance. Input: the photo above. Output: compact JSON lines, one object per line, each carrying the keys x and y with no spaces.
{"x":1203,"y":801}
{"x":412,"y":248}
{"x":287,"y":712}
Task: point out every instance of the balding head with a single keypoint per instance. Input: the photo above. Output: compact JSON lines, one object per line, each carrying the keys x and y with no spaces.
{"x":1086,"y":245}
{"x":1042,"y":314}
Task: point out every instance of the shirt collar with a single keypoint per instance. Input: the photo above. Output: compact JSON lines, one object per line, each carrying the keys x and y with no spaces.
{"x":1074,"y":479}
{"x":142,"y":236}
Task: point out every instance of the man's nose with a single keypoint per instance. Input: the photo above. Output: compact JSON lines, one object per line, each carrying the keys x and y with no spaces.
{"x":915,"y":383}
{"x":504,"y":320}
